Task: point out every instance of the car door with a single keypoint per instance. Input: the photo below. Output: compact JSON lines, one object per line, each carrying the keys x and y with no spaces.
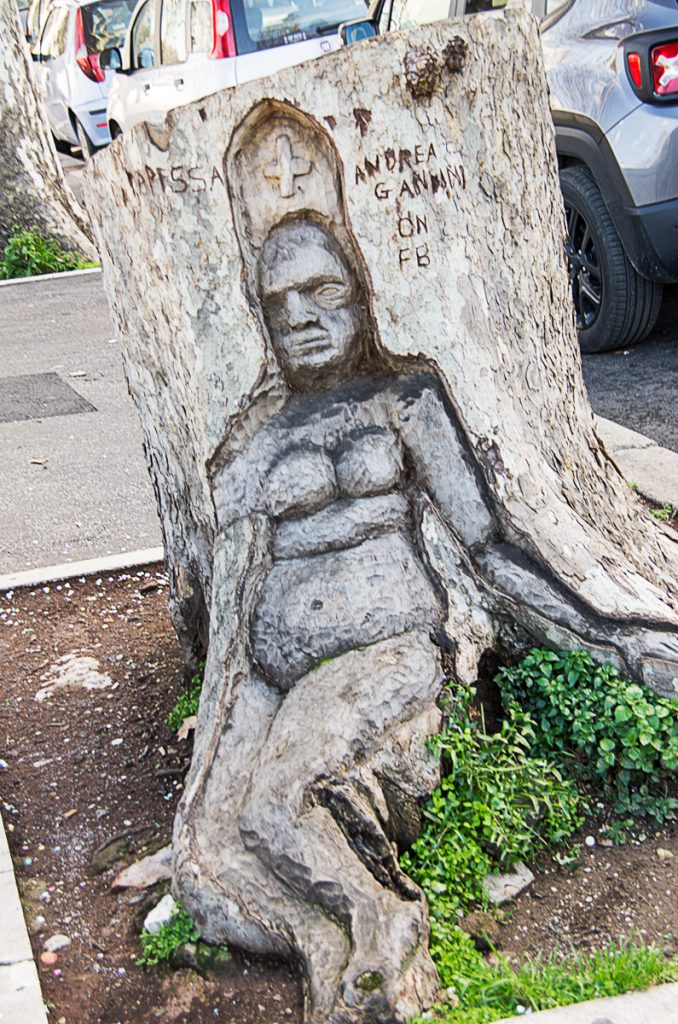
{"x":144,"y":56}
{"x":170,"y":79}
{"x":53,"y":74}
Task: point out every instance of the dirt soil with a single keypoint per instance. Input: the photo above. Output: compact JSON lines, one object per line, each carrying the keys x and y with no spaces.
{"x":88,"y":775}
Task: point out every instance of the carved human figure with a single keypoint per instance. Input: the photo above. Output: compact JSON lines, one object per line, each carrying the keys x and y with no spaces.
{"x":345,"y":610}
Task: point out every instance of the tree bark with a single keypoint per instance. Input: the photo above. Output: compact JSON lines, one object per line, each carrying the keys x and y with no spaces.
{"x":32,"y":185}
{"x":346,"y":319}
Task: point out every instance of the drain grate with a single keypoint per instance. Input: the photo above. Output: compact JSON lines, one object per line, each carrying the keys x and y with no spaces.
{"x":36,"y":396}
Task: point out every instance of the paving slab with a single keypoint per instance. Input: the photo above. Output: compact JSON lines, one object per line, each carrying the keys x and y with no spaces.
{"x":652,"y":469}
{"x":658,"y":1005}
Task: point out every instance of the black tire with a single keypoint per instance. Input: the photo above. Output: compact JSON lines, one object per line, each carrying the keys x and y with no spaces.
{"x":115,"y":130}
{"x":87,"y":147}
{"x":615,"y":306}
{"x":61,"y":146}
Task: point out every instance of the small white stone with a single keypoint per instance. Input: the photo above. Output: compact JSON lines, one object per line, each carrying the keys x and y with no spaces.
{"x":501,"y":888}
{"x":56,"y":942}
{"x":590,"y":841}
{"x":160,"y":915}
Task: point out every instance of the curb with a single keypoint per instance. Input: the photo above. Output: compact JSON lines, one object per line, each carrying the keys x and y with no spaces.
{"x":50,"y":277}
{"x":66,"y":571}
{"x":651,"y":469}
{"x":20,"y":994}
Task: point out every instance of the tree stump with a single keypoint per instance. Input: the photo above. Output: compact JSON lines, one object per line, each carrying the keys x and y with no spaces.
{"x":32,"y":185}
{"x":344,"y":307}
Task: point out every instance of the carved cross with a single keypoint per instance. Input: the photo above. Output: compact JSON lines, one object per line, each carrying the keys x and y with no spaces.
{"x":287,"y":167}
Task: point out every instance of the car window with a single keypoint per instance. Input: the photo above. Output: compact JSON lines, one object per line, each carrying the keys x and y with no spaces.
{"x":260,"y":25}
{"x":143,"y":37}
{"x":201,"y":26}
{"x":408,"y":13}
{"x":105,"y":23}
{"x":173,"y":32}
{"x":37,"y":17}
{"x":53,"y":40}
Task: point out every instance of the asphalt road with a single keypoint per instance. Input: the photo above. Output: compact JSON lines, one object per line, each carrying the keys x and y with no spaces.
{"x":639,"y":388}
{"x":73,"y":480}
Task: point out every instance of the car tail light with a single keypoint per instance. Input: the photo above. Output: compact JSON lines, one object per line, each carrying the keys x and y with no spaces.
{"x":664,"y":64}
{"x":87,"y":62}
{"x":633,"y":61}
{"x":224,"y":35}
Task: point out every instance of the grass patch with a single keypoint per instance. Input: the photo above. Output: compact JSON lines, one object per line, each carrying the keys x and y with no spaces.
{"x":485,"y":992}
{"x":188,"y":702}
{"x":28,"y":253}
{"x":159,"y":948}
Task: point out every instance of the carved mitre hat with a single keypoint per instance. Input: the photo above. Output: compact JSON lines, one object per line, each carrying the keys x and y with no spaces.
{"x":281,"y":165}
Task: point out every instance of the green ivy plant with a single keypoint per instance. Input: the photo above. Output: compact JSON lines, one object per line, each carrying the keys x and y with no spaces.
{"x":496,"y":804}
{"x":174,"y":933}
{"x":188,"y":702}
{"x":617,"y":739}
{"x":28,"y":253}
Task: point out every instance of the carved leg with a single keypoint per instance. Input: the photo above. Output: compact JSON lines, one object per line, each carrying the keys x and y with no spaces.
{"x":304,"y":846}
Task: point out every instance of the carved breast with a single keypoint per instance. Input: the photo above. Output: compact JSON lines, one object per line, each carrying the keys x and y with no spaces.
{"x":307,"y":479}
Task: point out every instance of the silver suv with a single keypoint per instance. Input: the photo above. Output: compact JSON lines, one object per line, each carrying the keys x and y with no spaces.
{"x":612,"y":67}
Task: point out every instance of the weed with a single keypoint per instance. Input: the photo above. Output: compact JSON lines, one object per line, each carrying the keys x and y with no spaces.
{"x":188,"y":702}
{"x":174,"y":933}
{"x":28,"y":253}
{"x":618,"y":740}
{"x":667,"y":513}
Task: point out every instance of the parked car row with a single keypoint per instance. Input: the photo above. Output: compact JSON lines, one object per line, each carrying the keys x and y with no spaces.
{"x":612,"y":67}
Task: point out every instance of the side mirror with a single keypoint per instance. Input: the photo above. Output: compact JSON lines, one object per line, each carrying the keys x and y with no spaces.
{"x":356,"y":31}
{"x":111,"y":59}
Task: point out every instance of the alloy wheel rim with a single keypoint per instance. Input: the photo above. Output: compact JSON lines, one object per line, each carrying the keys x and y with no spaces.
{"x":583,"y":265}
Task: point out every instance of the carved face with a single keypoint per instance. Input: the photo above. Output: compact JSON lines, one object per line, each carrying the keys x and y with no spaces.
{"x":309,"y":297}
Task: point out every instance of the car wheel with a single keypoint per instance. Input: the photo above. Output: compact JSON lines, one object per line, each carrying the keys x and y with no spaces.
{"x":86,"y":145}
{"x":115,"y":130}
{"x":615,"y":306}
{"x":60,"y":145}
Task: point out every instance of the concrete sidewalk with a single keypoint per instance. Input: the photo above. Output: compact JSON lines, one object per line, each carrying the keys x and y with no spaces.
{"x":74,"y":479}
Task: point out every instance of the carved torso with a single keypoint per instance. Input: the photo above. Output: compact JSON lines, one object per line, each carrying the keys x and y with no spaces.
{"x":333,"y":473}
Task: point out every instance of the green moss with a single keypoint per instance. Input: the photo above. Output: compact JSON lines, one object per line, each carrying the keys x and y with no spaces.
{"x":370,"y":981}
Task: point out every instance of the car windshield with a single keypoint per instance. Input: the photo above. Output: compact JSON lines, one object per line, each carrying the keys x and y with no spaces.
{"x":105,"y":23}
{"x":261,"y":24}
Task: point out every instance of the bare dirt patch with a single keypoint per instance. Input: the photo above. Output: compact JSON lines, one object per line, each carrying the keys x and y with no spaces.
{"x":94,"y":775}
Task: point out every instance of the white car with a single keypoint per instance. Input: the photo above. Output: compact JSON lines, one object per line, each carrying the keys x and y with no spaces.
{"x":177,"y":51}
{"x":73,"y":85}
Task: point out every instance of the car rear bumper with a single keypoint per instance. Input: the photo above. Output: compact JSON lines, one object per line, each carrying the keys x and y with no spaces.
{"x":656,"y":227}
{"x":93,"y":118}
